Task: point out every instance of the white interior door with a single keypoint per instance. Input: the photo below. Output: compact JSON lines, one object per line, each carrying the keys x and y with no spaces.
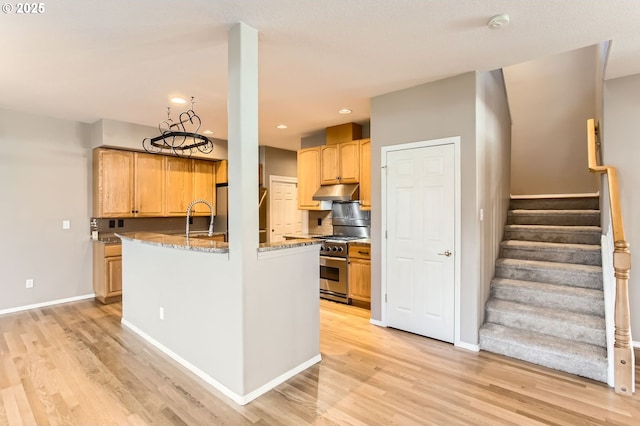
{"x":420,"y":218}
{"x":284,"y":217}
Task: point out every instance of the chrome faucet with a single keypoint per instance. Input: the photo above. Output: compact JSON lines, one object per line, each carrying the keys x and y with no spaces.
{"x":210,"y":233}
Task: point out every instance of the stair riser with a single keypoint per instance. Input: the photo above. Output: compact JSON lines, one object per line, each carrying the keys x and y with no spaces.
{"x":596,"y":370}
{"x":560,"y":220}
{"x":541,"y":275}
{"x":575,"y":257}
{"x":556,"y":204}
{"x":549,"y":326}
{"x":553,"y":237}
{"x":551,"y":300}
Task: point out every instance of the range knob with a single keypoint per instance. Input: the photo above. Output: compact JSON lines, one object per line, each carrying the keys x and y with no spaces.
{"x":340,"y":249}
{"x":334,"y":248}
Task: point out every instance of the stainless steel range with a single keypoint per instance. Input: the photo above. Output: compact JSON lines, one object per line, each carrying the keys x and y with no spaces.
{"x":349,"y":223}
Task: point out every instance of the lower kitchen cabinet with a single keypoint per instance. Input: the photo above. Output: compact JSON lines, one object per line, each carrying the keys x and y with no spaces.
{"x":359,"y":272}
{"x":107,"y":272}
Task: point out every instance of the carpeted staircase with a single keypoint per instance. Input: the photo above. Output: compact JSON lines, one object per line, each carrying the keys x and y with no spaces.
{"x":546,"y":304}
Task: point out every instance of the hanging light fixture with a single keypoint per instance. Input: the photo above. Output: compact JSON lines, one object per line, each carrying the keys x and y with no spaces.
{"x":175,"y":137}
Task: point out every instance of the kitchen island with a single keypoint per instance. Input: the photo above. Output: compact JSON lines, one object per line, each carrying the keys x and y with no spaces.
{"x":243,"y":334}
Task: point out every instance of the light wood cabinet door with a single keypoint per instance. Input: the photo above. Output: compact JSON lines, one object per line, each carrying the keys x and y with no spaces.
{"x":107,"y":272}
{"x":113,"y":268}
{"x":308,"y":178}
{"x":360,"y":280}
{"x":149,"y":184}
{"x":178,"y":186}
{"x":329,"y":165}
{"x":113,"y":183}
{"x":349,"y":162}
{"x":222,"y":175}
{"x":365,"y":174}
{"x":204,"y":186}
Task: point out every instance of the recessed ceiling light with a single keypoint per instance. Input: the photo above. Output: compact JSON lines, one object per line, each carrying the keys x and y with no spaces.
{"x":208,"y":132}
{"x":344,"y":111}
{"x":498,"y":21}
{"x":178,"y":101}
{"x":281,"y":126}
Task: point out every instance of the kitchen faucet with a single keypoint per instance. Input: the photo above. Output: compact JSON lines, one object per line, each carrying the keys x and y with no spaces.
{"x":210,"y":233}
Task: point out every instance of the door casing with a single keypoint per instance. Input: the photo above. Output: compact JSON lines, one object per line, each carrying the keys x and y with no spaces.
{"x":457,"y":224}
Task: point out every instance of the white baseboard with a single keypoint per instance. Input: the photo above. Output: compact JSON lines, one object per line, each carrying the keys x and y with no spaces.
{"x":636,"y":344}
{"x":238,"y":399}
{"x":377,"y":322}
{"x":45,"y":304}
{"x":467,"y":346}
{"x":536,"y":196}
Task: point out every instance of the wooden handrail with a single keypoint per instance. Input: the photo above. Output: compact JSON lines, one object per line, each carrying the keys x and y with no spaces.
{"x":624,"y":362}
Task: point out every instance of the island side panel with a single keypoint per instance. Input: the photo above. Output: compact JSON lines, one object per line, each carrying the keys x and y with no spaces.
{"x":202,"y":305}
{"x":282,"y":314}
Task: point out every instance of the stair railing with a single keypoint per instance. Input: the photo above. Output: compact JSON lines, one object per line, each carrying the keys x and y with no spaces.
{"x":624,"y":361}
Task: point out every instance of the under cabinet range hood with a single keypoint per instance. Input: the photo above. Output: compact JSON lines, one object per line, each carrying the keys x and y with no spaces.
{"x":338,"y":192}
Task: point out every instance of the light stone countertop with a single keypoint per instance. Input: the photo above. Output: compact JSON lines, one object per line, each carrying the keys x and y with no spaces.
{"x":197,"y":244}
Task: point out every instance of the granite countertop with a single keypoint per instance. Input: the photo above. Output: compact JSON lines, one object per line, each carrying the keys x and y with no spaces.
{"x":196,"y":244}
{"x":363,"y":241}
{"x":176,"y":241}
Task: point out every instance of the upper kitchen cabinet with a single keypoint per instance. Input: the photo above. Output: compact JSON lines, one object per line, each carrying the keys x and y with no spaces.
{"x":340,"y":163}
{"x":365,"y":174}
{"x":343,"y":133}
{"x":204,"y":186}
{"x":127,"y":184}
{"x":178,"y":185}
{"x":148,"y":185}
{"x":222,"y":175}
{"x":138,"y":184}
{"x":112,"y":183}
{"x":308,"y":177}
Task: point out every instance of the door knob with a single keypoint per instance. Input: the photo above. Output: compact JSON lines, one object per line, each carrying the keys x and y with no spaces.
{"x":446,"y":253}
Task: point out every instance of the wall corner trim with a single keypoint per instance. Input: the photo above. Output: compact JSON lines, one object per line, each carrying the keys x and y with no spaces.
{"x":377,"y":322}
{"x":467,"y":346}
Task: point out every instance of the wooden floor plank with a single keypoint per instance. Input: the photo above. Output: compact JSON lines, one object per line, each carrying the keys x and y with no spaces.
{"x":76,"y":364}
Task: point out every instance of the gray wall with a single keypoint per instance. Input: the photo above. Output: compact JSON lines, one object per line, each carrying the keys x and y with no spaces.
{"x":45,"y":167}
{"x":493,"y":148}
{"x":119,"y":134}
{"x":621,"y":149}
{"x":435,"y":110}
{"x":550,"y":100}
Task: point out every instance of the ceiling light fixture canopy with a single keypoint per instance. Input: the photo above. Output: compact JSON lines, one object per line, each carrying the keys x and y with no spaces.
{"x":281,"y":126}
{"x":177,"y":100}
{"x":498,"y":21}
{"x":175,"y":138}
{"x":344,"y":111}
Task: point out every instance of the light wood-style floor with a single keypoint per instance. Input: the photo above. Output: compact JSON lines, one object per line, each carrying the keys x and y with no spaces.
{"x":75,"y":364}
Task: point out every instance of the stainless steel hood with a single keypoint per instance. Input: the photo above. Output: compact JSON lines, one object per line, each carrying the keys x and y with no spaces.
{"x":338,"y":192}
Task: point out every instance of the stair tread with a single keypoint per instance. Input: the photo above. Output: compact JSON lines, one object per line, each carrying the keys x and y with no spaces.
{"x":557,"y":228}
{"x":543,"y":245}
{"x":541,"y":264}
{"x":530,"y":212}
{"x":583,"y":320}
{"x":553,"y":288}
{"x":556,"y":345}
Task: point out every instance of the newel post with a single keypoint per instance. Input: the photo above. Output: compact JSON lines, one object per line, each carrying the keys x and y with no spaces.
{"x":623,"y":351}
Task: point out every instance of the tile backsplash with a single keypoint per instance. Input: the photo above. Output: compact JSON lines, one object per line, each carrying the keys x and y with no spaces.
{"x":324,"y":217}
{"x":170,"y":225}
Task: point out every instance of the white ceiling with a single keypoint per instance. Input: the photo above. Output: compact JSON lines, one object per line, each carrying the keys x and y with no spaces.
{"x":121,"y":59}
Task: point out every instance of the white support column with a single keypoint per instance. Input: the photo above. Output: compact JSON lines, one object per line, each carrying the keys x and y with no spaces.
{"x":243,"y":143}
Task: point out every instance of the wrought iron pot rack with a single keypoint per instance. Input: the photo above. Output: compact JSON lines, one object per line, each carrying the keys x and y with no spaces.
{"x":175,"y":138}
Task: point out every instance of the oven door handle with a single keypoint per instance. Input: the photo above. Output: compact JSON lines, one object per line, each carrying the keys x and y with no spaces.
{"x":339,"y":259}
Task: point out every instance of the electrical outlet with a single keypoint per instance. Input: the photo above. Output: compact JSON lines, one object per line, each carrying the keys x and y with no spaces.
{"x":66,"y":224}
{"x":319,"y":221}
{"x":112,"y":223}
{"x":161,"y":313}
{"x":120,"y":223}
{"x":30,"y":283}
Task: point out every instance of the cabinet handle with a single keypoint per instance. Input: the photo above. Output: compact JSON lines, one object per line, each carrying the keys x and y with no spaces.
{"x":363,"y":252}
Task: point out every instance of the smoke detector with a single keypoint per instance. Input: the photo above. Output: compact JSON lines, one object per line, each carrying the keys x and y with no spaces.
{"x":498,"y":21}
